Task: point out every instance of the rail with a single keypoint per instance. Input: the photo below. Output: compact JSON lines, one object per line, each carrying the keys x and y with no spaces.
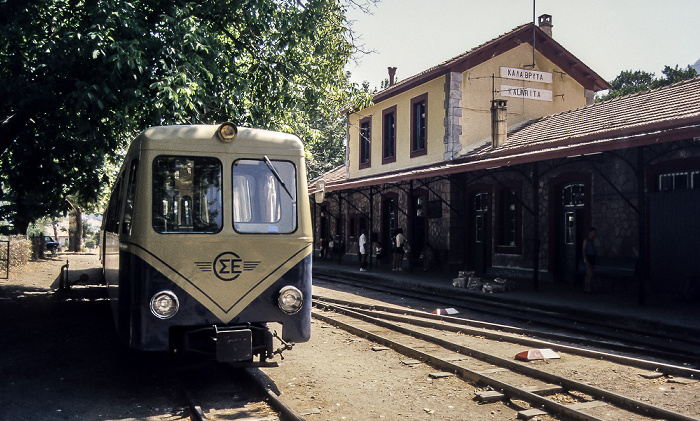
{"x":466,"y":369}
{"x":656,"y":339}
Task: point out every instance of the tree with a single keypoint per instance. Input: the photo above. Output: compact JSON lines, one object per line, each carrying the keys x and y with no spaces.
{"x":629,"y":82}
{"x":75,"y":227}
{"x":80,"y":79}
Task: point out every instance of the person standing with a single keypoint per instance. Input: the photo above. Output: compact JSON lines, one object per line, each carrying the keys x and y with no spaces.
{"x":339,"y":247}
{"x":589,"y":257}
{"x":379,"y":254}
{"x":399,"y":242}
{"x":363,"y":251}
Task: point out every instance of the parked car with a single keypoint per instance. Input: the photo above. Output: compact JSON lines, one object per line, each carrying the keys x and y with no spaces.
{"x":51,"y":245}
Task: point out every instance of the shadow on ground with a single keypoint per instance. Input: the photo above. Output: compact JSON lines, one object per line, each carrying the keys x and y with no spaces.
{"x":60,"y":359}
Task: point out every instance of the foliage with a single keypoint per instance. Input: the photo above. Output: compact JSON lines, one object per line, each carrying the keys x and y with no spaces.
{"x":91,"y":236}
{"x":38,"y":227}
{"x":20,"y":252}
{"x":80,"y":79}
{"x":629,"y":82}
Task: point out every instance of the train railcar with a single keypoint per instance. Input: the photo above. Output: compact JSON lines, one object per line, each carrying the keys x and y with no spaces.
{"x":207,"y":242}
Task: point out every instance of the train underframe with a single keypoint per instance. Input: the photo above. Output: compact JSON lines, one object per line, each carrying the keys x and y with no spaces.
{"x":245,"y":345}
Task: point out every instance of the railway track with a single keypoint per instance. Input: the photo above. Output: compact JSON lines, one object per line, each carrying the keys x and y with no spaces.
{"x":485,"y":356}
{"x":652,"y":340}
{"x":222,"y":392}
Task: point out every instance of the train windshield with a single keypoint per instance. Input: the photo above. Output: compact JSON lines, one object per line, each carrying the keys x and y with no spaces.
{"x":187,"y":194}
{"x":260,"y":203}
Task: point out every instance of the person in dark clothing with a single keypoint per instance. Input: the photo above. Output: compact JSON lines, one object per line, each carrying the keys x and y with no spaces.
{"x":589,"y":256}
{"x":338,"y":248}
{"x":399,"y":243}
{"x":379,"y":253}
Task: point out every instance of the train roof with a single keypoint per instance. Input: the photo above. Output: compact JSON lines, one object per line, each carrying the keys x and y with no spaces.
{"x":201,"y":137}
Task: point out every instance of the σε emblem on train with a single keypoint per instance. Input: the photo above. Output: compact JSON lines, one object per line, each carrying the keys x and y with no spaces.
{"x":227,"y":266}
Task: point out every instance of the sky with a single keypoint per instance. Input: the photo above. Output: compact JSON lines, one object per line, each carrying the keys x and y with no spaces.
{"x":609,"y":36}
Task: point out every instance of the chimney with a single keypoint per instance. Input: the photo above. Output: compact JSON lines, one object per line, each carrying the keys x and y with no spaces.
{"x":545,"y":24}
{"x":499,"y":122}
{"x":392,"y":75}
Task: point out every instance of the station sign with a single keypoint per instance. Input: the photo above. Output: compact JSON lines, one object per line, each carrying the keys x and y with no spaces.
{"x":526,"y":93}
{"x":525,"y":74}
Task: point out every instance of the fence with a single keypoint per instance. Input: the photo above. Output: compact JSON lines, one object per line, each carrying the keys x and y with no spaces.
{"x":5,"y":259}
{"x":15,"y":251}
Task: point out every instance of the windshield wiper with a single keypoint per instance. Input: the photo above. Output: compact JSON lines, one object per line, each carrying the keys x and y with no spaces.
{"x":274,"y":172}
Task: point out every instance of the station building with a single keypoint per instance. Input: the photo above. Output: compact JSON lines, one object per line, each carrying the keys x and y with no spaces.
{"x":500,"y":160}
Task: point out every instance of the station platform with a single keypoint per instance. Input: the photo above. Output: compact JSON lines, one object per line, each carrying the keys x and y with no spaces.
{"x":672,"y":312}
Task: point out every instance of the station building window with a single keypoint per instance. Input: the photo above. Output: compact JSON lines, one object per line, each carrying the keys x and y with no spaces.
{"x":480,"y":208}
{"x":389,"y":135}
{"x":365,"y":142}
{"x":573,"y":199}
{"x":419,"y":125}
{"x":509,"y":220}
{"x":682,"y":180}
{"x":352,"y":226}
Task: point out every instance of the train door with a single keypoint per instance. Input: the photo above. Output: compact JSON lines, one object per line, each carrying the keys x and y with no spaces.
{"x":479,"y":234}
{"x":572,"y":230}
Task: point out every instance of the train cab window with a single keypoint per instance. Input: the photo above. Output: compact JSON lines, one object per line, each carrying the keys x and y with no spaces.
{"x":187,"y":194}
{"x":264,"y":196}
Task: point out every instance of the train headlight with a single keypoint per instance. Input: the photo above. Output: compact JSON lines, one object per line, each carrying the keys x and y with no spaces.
{"x":226,"y":132}
{"x":164,"y":305}
{"x":290,"y":300}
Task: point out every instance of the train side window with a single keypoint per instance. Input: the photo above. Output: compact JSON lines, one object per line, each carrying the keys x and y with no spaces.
{"x":262,"y":203}
{"x":112,"y":217}
{"x":187,"y":195}
{"x":130,"y":193}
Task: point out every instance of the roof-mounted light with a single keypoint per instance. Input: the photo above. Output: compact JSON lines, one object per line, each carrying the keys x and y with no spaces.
{"x":227,"y":132}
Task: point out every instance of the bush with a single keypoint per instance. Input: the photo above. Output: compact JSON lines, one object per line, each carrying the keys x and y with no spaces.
{"x":20,"y":251}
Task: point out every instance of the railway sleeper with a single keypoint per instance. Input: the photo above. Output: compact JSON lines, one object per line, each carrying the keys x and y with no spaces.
{"x":369,"y":328}
{"x":455,"y":324}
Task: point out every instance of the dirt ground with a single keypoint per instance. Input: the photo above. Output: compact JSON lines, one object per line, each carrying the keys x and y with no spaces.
{"x":451,"y":398}
{"x":57,"y":376}
{"x":337,"y":376}
{"x":48,"y":372}
{"x":59,"y":356}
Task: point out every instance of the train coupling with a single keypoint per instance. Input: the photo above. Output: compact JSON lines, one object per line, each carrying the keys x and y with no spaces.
{"x":285,"y":345}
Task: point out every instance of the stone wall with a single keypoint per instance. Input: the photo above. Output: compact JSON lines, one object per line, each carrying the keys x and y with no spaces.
{"x":612,"y":206}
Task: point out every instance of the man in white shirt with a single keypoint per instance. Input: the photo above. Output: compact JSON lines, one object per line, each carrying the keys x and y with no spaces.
{"x":363,"y":251}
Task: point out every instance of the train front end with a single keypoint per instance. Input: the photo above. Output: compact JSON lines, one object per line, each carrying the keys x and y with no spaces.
{"x":214,"y":245}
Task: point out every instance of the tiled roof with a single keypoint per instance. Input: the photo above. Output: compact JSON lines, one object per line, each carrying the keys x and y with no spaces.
{"x":336,"y":175}
{"x":545,"y":44}
{"x":637,"y":113}
{"x":452,"y":60}
{"x":660,"y":115}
